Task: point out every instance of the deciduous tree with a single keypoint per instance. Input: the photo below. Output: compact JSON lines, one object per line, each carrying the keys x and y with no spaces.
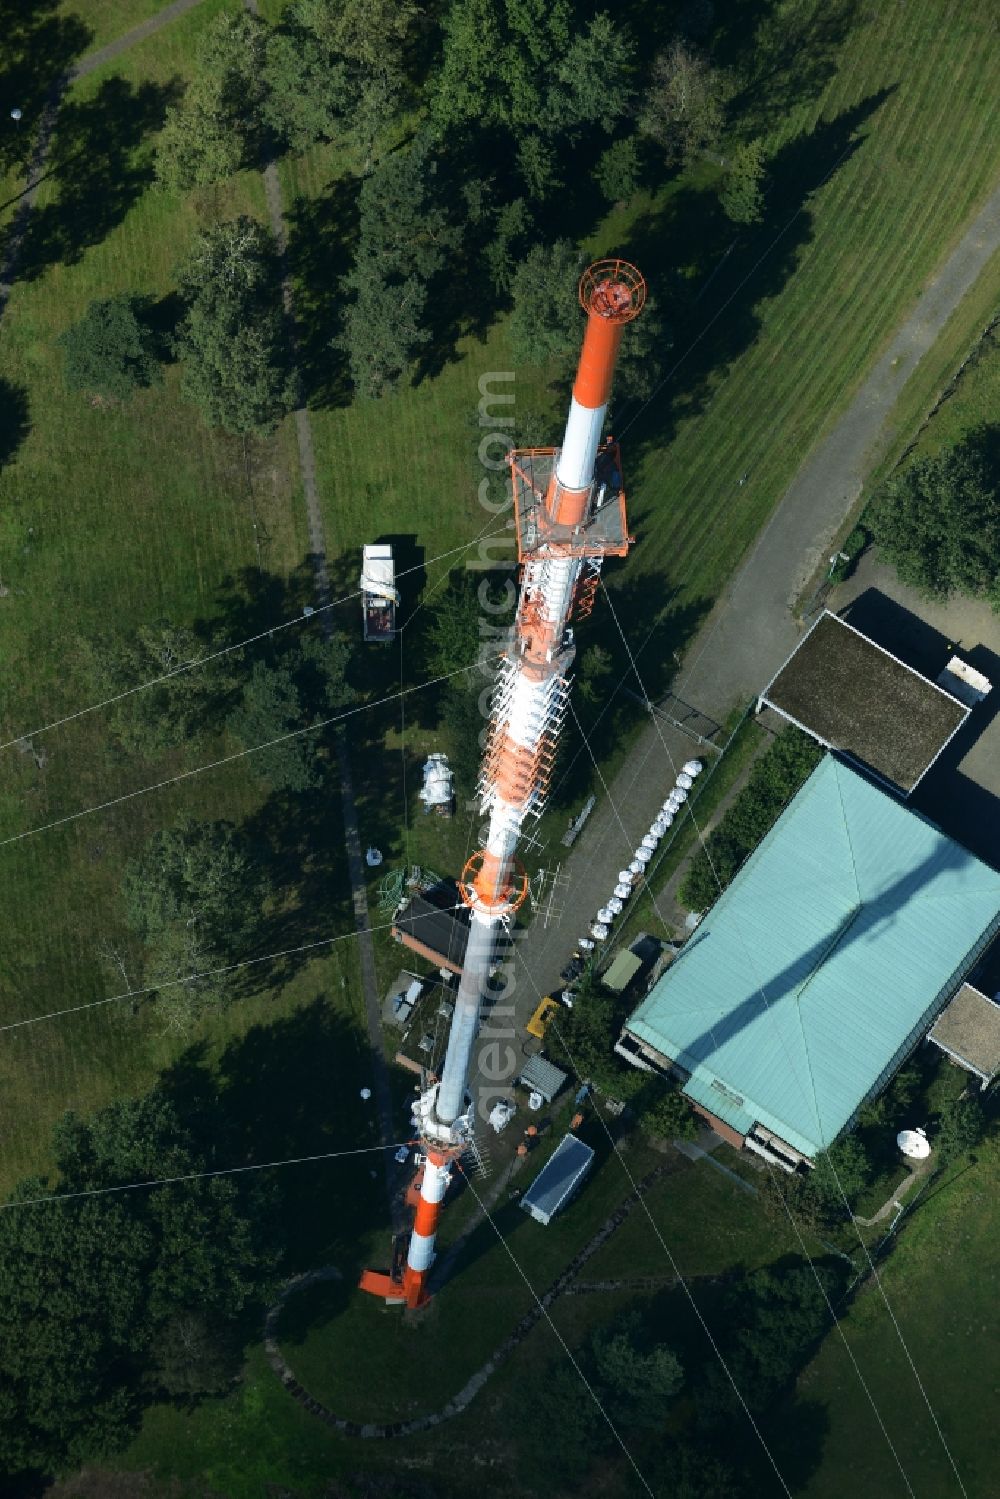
{"x":843,"y":1170}
{"x":406,"y":230}
{"x":742,"y":191}
{"x":338,"y":70}
{"x":284,"y":695}
{"x":215,"y":129}
{"x":684,"y":106}
{"x":636,"y":1376}
{"x":938,"y":520}
{"x":194,"y":897}
{"x":177,"y":705}
{"x":111,"y":352}
{"x":232,"y":342}
{"x":960,"y":1128}
{"x":668,"y":1115}
{"x":546,"y":323}
{"x":88,"y":1287}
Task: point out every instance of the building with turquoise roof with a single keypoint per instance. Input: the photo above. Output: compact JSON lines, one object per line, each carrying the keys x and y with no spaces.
{"x":819,"y":968}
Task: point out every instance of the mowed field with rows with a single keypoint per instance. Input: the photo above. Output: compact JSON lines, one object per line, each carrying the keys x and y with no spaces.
{"x":111,"y":517}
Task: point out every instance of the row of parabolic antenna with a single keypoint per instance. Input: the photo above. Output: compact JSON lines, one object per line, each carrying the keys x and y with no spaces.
{"x":630,"y":877}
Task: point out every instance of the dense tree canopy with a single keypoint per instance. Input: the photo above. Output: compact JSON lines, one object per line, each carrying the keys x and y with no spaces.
{"x":111,"y":352}
{"x":89,"y":1289}
{"x":194,"y":898}
{"x":337,"y":70}
{"x":636,"y":1376}
{"x":232,"y":342}
{"x":775,"y":778}
{"x":960,"y":1127}
{"x":407,"y":228}
{"x":215,"y":129}
{"x":938,"y":519}
{"x":177,"y":706}
{"x":282,"y":696}
{"x":667,"y":1114}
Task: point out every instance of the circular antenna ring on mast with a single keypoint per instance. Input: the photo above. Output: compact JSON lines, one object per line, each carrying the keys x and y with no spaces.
{"x":509,"y":899}
{"x":613,"y":290}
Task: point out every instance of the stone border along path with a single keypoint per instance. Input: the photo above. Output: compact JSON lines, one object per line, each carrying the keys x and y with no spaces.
{"x":476,"y":1381}
{"x":352,"y":837}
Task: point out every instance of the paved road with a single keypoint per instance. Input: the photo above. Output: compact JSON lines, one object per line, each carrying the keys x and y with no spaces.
{"x":752,"y":629}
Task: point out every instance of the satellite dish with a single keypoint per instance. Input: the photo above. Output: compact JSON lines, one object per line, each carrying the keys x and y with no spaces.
{"x":914,"y":1144}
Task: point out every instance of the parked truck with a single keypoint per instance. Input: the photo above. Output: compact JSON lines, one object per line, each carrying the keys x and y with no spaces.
{"x":378,"y":593}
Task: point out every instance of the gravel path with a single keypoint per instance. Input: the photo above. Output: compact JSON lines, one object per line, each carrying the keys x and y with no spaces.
{"x":95,"y":60}
{"x":317,"y":556}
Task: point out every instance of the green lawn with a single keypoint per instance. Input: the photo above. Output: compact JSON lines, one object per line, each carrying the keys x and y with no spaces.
{"x":106,"y":20}
{"x":110,"y":517}
{"x":941,"y":1284}
{"x":788,"y":352}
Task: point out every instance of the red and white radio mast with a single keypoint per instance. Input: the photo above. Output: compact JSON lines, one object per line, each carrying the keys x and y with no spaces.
{"x":569,"y":505}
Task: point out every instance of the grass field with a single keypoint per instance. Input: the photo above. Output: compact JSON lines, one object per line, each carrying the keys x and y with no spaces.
{"x":342,"y":1347}
{"x":109,"y":517}
{"x":941,"y":1283}
{"x":106,"y":20}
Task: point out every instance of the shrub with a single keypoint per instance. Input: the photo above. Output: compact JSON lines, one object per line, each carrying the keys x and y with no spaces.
{"x":110,"y":352}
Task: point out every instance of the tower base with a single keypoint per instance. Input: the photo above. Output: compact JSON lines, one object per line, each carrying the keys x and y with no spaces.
{"x":409,"y":1289}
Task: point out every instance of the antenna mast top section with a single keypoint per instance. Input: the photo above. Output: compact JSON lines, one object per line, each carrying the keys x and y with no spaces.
{"x":613,"y":290}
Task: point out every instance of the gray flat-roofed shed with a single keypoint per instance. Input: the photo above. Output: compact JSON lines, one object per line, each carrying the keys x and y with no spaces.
{"x":543,"y":1076}
{"x":860,"y":700}
{"x":558,"y":1179}
{"x":968,"y":1031}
